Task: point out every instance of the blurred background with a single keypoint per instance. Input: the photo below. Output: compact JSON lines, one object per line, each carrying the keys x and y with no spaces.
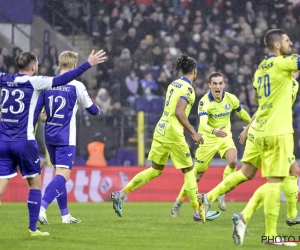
{"x":143,"y":38}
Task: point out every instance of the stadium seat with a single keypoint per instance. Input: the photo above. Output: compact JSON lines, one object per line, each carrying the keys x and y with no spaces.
{"x":113,"y":161}
{"x":126,"y":157}
{"x":157,"y":106}
{"x":141,"y":104}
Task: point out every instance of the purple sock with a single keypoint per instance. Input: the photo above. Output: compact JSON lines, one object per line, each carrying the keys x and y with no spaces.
{"x":62,"y":201}
{"x":34,"y":204}
{"x":53,"y":190}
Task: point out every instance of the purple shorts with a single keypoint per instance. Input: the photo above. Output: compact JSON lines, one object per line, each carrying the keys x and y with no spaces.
{"x":24,"y":154}
{"x":62,"y":156}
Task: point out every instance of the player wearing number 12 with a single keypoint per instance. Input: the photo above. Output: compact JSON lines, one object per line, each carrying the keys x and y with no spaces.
{"x":169,"y":140}
{"x":61,"y":104}
{"x":20,"y":93}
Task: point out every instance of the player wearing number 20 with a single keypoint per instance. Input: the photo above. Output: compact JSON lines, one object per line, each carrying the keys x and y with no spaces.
{"x":61,"y":104}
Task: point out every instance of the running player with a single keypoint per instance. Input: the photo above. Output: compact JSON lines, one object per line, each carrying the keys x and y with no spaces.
{"x":272,"y":130}
{"x":214,"y":112}
{"x":168,"y":139}
{"x":18,"y":147}
{"x":251,"y":163}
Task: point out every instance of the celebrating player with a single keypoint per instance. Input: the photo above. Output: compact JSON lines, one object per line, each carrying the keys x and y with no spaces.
{"x":169,"y":139}
{"x":61,"y":104}
{"x":214,"y":112}
{"x":18,"y":147}
{"x":272,"y":131}
{"x":251,"y":163}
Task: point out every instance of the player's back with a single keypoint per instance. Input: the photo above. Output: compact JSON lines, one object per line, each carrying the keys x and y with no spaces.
{"x":19,"y":96}
{"x":61,"y":104}
{"x":168,"y":128}
{"x":272,"y":81}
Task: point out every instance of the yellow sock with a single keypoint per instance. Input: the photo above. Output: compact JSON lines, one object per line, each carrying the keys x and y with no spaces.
{"x":182,"y":193}
{"x":290,"y":189}
{"x":142,"y":178}
{"x":191,"y":188}
{"x":271,"y":207}
{"x":226,"y":185}
{"x":256,"y":201}
{"x":227,"y":171}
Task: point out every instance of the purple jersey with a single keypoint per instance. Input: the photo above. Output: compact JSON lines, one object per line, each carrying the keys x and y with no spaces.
{"x":61,"y":104}
{"x":19,"y":96}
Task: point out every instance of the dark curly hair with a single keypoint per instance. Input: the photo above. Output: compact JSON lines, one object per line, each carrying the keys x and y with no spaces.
{"x":185,"y":64}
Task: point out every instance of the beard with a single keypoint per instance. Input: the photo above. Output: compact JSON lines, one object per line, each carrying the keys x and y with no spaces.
{"x":286,"y":52}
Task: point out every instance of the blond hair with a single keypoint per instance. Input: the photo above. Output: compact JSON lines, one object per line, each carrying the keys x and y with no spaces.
{"x":67,"y":59}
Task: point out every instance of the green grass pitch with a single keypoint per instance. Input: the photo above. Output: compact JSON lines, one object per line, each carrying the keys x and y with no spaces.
{"x":143,"y":226}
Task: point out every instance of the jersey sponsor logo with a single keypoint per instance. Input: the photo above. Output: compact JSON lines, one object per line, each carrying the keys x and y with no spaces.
{"x":227,"y":106}
{"x":176,"y":84}
{"x":202,"y":113}
{"x":219,"y":115}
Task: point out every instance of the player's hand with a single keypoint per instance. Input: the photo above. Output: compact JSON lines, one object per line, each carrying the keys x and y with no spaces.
{"x":96,"y":58}
{"x":219,"y":132}
{"x":43,"y":117}
{"x":197,"y":138}
{"x":243,"y":136}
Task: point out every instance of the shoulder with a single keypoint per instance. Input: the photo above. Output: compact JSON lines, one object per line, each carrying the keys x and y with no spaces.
{"x":230,"y":96}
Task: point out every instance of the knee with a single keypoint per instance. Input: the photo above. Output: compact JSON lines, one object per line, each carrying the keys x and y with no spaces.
{"x":232,"y":163}
{"x":294,"y":170}
{"x":199,"y":176}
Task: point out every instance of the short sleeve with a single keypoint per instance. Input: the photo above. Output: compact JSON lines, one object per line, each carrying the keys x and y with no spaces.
{"x":83,"y":96}
{"x":41,"y":82}
{"x":203,"y":106}
{"x":187,"y":94}
{"x":291,"y":63}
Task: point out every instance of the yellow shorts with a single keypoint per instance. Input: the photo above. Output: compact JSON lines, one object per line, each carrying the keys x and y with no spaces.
{"x":251,"y":153}
{"x":276,"y":154}
{"x":178,"y":152}
{"x":206,"y":151}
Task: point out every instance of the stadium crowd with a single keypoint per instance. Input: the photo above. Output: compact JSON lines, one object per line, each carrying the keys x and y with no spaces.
{"x":143,"y":38}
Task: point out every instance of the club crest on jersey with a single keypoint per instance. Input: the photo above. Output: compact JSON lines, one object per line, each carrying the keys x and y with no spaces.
{"x":190,"y":90}
{"x":201,"y":103}
{"x":227,"y":106}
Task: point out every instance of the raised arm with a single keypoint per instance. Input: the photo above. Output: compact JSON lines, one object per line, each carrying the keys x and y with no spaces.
{"x":43,"y":82}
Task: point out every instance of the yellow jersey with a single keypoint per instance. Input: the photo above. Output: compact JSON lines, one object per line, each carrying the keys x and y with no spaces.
{"x":218,"y":112}
{"x":168,"y":128}
{"x":272,"y":81}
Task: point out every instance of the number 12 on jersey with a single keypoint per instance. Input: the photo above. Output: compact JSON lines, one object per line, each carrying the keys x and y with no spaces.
{"x":267,"y":88}
{"x":61,"y":106}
